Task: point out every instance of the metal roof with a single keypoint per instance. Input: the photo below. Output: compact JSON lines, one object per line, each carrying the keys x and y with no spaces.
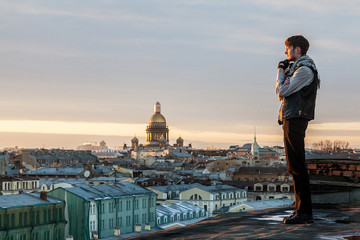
{"x":24,"y":200}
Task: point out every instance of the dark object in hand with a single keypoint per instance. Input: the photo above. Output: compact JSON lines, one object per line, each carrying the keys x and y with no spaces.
{"x":283,"y":64}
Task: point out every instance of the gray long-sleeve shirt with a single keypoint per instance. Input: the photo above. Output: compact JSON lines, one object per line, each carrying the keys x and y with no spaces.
{"x":302,"y":77}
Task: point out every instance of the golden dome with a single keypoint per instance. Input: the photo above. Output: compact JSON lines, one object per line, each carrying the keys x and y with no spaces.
{"x":157,"y":118}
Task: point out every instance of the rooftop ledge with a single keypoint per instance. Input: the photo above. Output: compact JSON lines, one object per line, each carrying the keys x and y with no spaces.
{"x":330,"y":223}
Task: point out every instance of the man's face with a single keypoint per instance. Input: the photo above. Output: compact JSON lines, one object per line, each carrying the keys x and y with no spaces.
{"x":292,"y":53}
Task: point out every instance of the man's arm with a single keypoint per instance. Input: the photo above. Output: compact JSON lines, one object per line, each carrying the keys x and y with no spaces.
{"x":302,"y":77}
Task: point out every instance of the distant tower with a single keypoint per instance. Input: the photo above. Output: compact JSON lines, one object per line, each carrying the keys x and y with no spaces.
{"x":255,"y":148}
{"x":135,"y":143}
{"x":180,"y":142}
{"x":157,"y":128}
{"x":102,"y":144}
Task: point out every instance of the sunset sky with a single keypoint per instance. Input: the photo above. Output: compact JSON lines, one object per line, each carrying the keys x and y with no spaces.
{"x":96,"y":68}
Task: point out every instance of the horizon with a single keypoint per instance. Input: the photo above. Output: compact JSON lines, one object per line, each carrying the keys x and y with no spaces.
{"x":89,"y":68}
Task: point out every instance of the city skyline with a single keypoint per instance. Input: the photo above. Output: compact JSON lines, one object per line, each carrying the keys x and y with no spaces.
{"x":91,"y":68}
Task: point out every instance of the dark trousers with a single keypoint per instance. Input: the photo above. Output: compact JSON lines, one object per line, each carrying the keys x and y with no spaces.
{"x":294,"y":135}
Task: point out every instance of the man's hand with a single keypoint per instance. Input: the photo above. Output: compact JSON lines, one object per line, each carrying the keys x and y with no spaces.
{"x":283,"y":64}
{"x":287,"y":81}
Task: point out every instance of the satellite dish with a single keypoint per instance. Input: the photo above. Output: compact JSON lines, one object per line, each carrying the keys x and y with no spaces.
{"x":87,"y":173}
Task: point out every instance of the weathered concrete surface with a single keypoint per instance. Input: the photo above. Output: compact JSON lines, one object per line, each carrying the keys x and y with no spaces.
{"x":267,"y":224}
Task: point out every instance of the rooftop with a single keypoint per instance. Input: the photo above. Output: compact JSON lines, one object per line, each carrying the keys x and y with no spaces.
{"x":184,"y":187}
{"x":107,"y":191}
{"x":25,"y":199}
{"x":56,"y":171}
{"x":336,"y":223}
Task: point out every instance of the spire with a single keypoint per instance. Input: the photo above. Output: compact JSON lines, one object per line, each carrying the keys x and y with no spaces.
{"x":157,"y":107}
{"x":255,"y":134}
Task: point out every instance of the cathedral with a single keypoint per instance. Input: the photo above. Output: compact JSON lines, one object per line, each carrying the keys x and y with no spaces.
{"x":157,"y":133}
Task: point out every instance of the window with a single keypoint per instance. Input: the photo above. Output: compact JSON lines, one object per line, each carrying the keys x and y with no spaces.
{"x":144,"y":203}
{"x":13,"y":220}
{"x":25,"y":219}
{"x":60,"y":214}
{"x":20,"y":219}
{"x":285,"y":189}
{"x":271,"y":188}
{"x":258,"y":188}
{"x":45,"y":215}
{"x":37,"y":217}
{"x":111,"y":223}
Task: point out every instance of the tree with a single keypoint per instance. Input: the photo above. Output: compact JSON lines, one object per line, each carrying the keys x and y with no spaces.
{"x":331,"y":147}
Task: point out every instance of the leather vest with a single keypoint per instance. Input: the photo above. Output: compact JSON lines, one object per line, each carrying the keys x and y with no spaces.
{"x":301,"y":103}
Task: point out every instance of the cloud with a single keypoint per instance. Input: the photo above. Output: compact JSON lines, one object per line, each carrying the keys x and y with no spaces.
{"x":319,"y":6}
{"x":58,"y":127}
{"x":41,"y":49}
{"x":338,"y":126}
{"x":79,"y":12}
{"x":336,"y":45}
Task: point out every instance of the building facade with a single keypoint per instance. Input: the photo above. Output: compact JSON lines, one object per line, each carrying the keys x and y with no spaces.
{"x":107,"y":209}
{"x":15,"y":185}
{"x":210,"y":198}
{"x":31,"y":216}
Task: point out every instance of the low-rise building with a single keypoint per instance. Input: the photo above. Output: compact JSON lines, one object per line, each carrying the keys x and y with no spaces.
{"x":31,"y":216}
{"x":211,"y":198}
{"x":261,"y":174}
{"x":15,"y":185}
{"x":177,"y":212}
{"x":48,"y":184}
{"x":66,"y":172}
{"x":35,"y":158}
{"x":107,"y":209}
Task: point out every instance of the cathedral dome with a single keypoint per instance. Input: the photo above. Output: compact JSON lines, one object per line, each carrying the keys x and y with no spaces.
{"x":157,"y":118}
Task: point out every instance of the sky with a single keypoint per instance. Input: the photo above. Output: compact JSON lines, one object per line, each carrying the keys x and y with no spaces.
{"x":96,"y":68}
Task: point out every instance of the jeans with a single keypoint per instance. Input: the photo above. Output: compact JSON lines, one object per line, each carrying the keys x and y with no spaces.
{"x":294,"y":135}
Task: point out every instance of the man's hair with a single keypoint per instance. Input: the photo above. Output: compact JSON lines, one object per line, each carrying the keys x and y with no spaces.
{"x":298,"y":41}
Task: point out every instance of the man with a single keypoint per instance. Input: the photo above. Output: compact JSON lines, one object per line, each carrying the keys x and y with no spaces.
{"x":296,"y":86}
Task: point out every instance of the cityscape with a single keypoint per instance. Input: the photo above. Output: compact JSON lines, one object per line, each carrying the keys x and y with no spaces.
{"x":95,"y":192}
{"x":160,"y":120}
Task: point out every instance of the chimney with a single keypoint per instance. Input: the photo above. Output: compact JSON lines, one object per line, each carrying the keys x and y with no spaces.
{"x":43,"y":196}
{"x":147,"y":226}
{"x":117,"y":232}
{"x":138,"y":228}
